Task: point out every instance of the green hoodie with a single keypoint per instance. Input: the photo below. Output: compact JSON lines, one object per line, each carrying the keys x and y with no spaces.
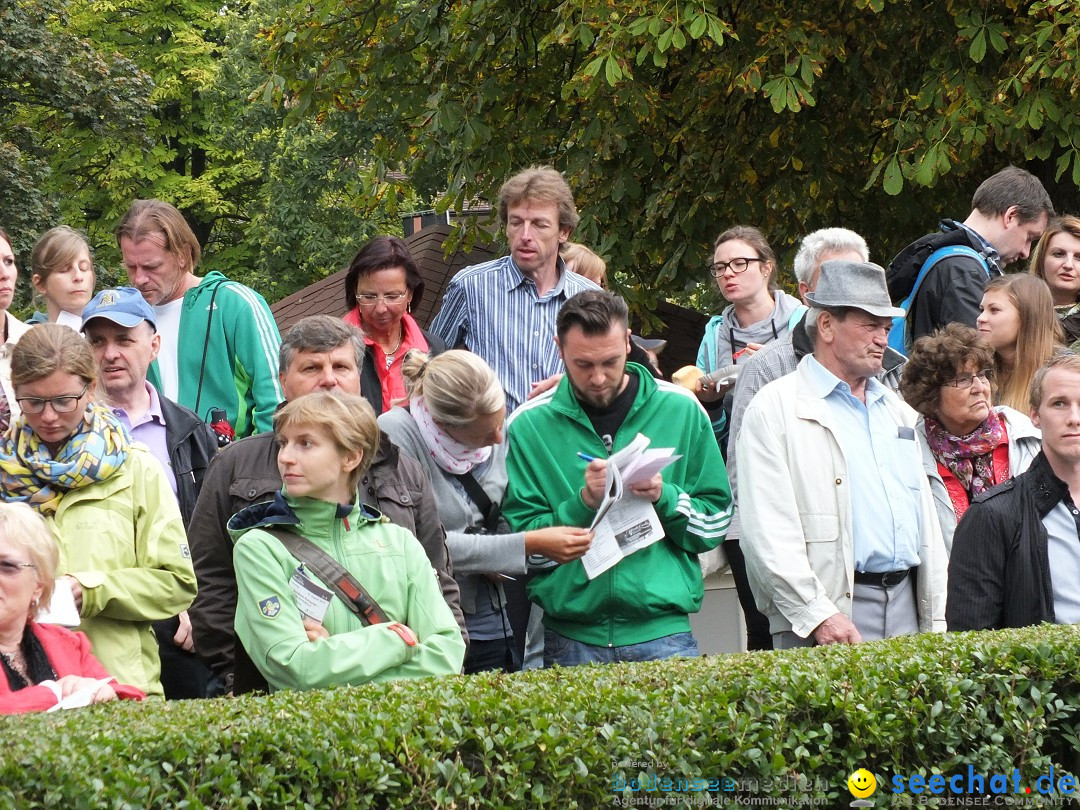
{"x":387,"y":560}
{"x":649,"y":594}
{"x":239,"y":369}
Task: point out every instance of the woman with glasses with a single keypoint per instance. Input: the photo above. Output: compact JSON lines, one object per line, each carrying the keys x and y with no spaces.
{"x":1017,"y":319}
{"x":41,"y":664}
{"x":969,"y":445}
{"x":381,"y":288}
{"x":744,"y":267}
{"x":123,"y":551}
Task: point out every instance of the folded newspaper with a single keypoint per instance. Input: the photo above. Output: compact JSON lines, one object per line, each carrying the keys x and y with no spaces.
{"x":626,"y":523}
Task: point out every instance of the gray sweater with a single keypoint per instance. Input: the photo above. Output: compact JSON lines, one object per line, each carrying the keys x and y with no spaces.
{"x":471,"y":554}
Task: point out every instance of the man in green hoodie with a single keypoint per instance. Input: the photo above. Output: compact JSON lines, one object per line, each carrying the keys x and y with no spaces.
{"x":219,"y":342}
{"x":638,"y":609}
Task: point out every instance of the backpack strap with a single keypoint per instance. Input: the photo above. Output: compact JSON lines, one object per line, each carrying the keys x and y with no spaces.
{"x":489,"y":510}
{"x":898,"y":333}
{"x":333,"y":575}
{"x":796,"y":316}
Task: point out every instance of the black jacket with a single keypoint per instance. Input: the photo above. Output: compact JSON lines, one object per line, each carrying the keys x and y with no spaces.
{"x":371,"y":386}
{"x":191,"y":445}
{"x":999,"y":571}
{"x":951,"y":291}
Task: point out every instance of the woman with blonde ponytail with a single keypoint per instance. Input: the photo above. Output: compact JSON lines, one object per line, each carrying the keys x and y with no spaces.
{"x":453,"y":427}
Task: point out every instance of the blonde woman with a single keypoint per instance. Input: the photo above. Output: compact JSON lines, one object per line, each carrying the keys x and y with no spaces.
{"x":327,"y":441}
{"x":40,"y":664}
{"x":454,"y":428}
{"x":63,"y":275}
{"x":1017,"y":319}
{"x":579,"y":259}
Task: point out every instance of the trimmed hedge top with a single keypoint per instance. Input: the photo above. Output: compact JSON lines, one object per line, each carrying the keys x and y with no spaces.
{"x":777,"y":722}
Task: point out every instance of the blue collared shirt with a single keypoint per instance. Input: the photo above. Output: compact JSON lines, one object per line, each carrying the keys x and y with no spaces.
{"x":884,"y":472}
{"x":494,"y":310}
{"x":1063,"y":553}
{"x":150,"y":430}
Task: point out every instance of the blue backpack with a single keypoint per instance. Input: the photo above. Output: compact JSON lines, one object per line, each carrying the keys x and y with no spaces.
{"x":898,"y":333}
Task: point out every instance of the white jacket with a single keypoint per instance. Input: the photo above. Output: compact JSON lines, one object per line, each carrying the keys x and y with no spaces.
{"x":794,"y":497}
{"x":1025,"y":442}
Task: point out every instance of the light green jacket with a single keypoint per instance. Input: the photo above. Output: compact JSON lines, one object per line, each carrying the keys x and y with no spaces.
{"x":123,"y":540}
{"x":387,"y":560}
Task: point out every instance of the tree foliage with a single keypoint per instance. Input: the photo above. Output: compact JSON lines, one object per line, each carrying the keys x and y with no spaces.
{"x":55,"y":87}
{"x":673,"y":120}
{"x":170,"y":114}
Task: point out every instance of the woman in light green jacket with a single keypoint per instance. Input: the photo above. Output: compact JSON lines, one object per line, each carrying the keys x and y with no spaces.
{"x":298,"y":633}
{"x":123,"y":551}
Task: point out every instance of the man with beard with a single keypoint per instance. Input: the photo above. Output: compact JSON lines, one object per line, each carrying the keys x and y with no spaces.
{"x":559,"y":444}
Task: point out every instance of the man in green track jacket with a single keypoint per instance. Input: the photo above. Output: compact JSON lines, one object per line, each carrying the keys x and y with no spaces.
{"x":219,"y":342}
{"x":638,"y":609}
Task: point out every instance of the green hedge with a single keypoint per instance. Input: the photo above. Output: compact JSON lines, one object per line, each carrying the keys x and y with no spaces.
{"x":563,"y":738}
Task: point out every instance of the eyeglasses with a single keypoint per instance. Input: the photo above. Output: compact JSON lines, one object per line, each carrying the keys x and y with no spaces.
{"x":13,"y":569}
{"x":64,"y":404}
{"x":391,"y":300}
{"x":967,"y":380}
{"x":737,"y":265}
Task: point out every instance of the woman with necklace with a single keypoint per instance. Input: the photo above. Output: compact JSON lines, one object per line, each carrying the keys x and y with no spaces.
{"x":40,"y":664}
{"x":381,"y":287}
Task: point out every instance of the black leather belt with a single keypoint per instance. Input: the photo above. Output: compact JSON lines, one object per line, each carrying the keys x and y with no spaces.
{"x":888,"y":579}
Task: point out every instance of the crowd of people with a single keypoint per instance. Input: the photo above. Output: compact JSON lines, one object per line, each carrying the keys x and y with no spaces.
{"x":192,"y":505}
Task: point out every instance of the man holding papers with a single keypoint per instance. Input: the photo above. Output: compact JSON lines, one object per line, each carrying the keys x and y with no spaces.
{"x":612,"y":439}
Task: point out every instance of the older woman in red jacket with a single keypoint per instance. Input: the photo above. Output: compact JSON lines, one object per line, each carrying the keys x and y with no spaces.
{"x":43,"y":664}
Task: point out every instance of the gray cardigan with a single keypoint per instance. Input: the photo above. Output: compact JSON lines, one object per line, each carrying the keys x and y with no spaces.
{"x":471,"y":554}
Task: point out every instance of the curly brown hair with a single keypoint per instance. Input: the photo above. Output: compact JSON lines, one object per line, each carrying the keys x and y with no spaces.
{"x":936,"y":359}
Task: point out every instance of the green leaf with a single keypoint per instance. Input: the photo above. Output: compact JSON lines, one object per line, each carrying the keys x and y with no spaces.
{"x":612,"y":71}
{"x":698,"y":26}
{"x":977,"y":49}
{"x":893,"y":181}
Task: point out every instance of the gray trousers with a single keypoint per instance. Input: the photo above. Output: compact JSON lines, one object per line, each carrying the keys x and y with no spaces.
{"x":876,"y":612}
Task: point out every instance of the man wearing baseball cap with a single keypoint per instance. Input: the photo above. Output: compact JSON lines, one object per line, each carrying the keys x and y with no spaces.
{"x":120,"y":327}
{"x":838,"y":525}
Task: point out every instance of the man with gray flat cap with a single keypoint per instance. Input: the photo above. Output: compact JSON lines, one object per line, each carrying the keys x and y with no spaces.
{"x":838,"y":524}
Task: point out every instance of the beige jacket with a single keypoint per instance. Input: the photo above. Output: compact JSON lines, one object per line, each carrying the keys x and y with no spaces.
{"x":794,"y":497}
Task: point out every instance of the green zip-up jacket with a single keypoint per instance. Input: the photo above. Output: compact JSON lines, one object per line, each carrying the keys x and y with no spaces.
{"x":386,"y":559}
{"x":651,"y":593}
{"x":240,"y":370}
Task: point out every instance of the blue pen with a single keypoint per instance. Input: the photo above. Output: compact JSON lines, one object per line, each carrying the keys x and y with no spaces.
{"x":586,"y":457}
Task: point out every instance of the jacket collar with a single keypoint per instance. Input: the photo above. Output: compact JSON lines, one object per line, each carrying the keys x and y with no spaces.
{"x":283,"y":511}
{"x":1046,"y":488}
{"x":567,"y":403}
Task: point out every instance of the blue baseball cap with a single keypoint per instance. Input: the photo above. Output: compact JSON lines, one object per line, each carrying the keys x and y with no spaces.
{"x":123,"y":305}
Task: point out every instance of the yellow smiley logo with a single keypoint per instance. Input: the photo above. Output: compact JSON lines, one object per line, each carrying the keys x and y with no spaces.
{"x":862,"y":783}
